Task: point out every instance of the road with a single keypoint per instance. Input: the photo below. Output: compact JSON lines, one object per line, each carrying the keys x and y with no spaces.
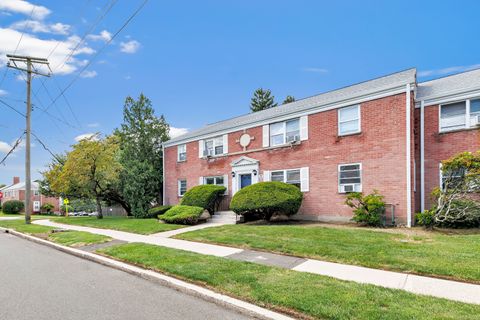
{"x":38,"y":282}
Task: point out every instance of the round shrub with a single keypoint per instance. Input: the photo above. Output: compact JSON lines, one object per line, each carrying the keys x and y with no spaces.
{"x":13,"y":207}
{"x":425,"y":218}
{"x":264,"y":199}
{"x":367,"y":210}
{"x":182,"y":215}
{"x":206,"y":196}
{"x":156,"y":211}
{"x":46,"y":208}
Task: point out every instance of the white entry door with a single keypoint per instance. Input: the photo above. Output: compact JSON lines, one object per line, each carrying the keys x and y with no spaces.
{"x":36,"y":206}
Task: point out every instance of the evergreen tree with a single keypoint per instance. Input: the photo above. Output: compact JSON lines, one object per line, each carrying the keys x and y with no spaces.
{"x":262,"y":99}
{"x":288,"y":99}
{"x":141,"y":136}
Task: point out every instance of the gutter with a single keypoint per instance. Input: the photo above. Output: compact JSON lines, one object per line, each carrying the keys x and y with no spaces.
{"x":409,"y":156}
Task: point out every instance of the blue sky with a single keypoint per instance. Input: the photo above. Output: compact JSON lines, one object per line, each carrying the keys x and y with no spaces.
{"x":200,"y":61}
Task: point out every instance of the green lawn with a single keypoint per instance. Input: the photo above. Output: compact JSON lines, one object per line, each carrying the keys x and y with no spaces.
{"x":141,"y":226}
{"x":448,"y":256}
{"x":77,"y":238}
{"x":20,"y":226}
{"x":281,"y":289}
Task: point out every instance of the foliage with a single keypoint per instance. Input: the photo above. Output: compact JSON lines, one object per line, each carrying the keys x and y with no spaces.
{"x":367,"y":209}
{"x":457,"y":203}
{"x":141,"y":136}
{"x":87,"y":205}
{"x":47,"y":208}
{"x":262,"y":100}
{"x":13,"y":207}
{"x":91,"y":170}
{"x":64,"y":208}
{"x":156,"y":211}
{"x":181,"y":214}
{"x":264,"y":199}
{"x":425,"y":218}
{"x":207,"y":196}
{"x":288,"y":99}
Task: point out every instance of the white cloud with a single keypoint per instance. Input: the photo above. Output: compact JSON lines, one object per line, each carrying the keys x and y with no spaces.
{"x":93,"y":125}
{"x":176,"y":132}
{"x":24,"y":7}
{"x":88,"y":74}
{"x":131,"y":46}
{"x":103,"y":36}
{"x":87,"y":136}
{"x":444,"y":71}
{"x":38,"y":26}
{"x":5,"y":147}
{"x":35,"y":46}
{"x":315,"y":70}
{"x":3,"y":92}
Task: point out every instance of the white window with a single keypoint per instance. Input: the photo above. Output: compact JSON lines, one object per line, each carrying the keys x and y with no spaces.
{"x":213,"y":147}
{"x":36,"y":192}
{"x":452,"y":178}
{"x":474,"y":112}
{"x":182,"y":152}
{"x":453,"y":116}
{"x":216,"y":180}
{"x":284,"y":132}
{"x":287,"y":176}
{"x":349,"y":120}
{"x":350,"y":177}
{"x":182,"y":187}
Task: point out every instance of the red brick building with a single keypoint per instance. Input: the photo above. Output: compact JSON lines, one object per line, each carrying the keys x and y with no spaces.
{"x":386,"y":134}
{"x":16,"y":191}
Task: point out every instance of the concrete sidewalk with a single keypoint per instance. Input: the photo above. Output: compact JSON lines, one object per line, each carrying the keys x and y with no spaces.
{"x":452,"y":290}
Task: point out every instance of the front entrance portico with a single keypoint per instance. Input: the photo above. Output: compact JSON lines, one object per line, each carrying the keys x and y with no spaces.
{"x":245,"y":171}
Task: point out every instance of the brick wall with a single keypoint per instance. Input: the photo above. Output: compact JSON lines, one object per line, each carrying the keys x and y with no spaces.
{"x":380,"y":147}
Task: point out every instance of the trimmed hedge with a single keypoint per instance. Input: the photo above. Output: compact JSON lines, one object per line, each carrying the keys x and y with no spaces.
{"x":206,"y":196}
{"x":13,"y":207}
{"x":264,"y":199}
{"x":182,"y":215}
{"x":156,"y":211}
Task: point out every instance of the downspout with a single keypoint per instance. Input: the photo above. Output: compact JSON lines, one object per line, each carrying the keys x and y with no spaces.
{"x":408,"y":158}
{"x":163,"y":175}
{"x":422,"y":155}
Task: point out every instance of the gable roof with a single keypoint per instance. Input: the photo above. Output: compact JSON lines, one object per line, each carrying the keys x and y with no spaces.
{"x":386,"y":83}
{"x":449,"y":87}
{"x":20,"y":186}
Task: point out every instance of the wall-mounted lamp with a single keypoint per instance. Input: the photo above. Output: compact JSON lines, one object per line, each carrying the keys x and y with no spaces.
{"x":233,"y":174}
{"x":254,"y":172}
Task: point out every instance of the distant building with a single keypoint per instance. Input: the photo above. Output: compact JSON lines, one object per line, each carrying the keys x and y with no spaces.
{"x":16,"y":191}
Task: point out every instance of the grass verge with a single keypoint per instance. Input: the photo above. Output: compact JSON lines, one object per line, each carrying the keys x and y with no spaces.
{"x":20,"y":226}
{"x":298,"y":293}
{"x":140,"y":226}
{"x":434,"y":254}
{"x":77,"y":238}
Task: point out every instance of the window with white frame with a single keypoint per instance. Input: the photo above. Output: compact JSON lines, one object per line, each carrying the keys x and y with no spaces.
{"x":217,"y":180}
{"x":453,"y":116}
{"x":287,"y":176}
{"x":284,"y":132}
{"x":213,"y":146}
{"x":349,"y":120}
{"x":474,"y":112}
{"x":182,"y":152}
{"x":36,"y":192}
{"x":451,"y":179}
{"x":350,"y":177}
{"x":182,"y":187}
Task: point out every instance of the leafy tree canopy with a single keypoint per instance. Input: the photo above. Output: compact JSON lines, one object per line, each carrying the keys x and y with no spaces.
{"x":288,"y":99}
{"x":262,"y":100}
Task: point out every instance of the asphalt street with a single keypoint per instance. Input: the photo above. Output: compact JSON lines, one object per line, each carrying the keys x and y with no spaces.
{"x":38,"y":282}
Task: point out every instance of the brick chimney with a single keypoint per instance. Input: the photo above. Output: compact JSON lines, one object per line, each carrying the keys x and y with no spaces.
{"x":16,"y":180}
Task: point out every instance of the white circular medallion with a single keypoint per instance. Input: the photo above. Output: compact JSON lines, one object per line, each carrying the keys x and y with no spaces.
{"x":245,"y":140}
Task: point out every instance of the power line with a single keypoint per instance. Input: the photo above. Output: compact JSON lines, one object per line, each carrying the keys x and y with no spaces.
{"x":46,"y":148}
{"x":100,"y":51}
{"x":14,"y":109}
{"x":15,"y":145}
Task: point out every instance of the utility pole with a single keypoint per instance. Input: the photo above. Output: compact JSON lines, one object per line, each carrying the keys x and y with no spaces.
{"x":16,"y":62}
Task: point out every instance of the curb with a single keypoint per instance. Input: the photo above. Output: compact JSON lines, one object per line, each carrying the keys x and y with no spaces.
{"x":237,"y":305}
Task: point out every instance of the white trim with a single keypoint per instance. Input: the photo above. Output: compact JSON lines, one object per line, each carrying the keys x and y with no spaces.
{"x":295,"y":114}
{"x":304,"y":176}
{"x":304,"y":179}
{"x":163,"y":173}
{"x":449,"y":98}
{"x":223,"y":176}
{"x":178,"y":152}
{"x":201,"y":146}
{"x":339,"y":185}
{"x":225,"y":143}
{"x":246,"y":168}
{"x":422,"y":156}
{"x":359,"y":118}
{"x":179,"y":186}
{"x":467,"y":116}
{"x":266,"y":136}
{"x":303,"y":126}
{"x":408,"y":157}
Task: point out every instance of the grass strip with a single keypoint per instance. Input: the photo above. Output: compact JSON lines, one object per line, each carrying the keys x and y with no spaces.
{"x":77,"y":238}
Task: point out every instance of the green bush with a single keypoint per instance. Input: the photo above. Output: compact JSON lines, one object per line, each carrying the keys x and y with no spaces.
{"x":64,"y":208}
{"x":182,"y":215}
{"x":425,"y":218}
{"x":46,"y":208}
{"x":461,"y":213}
{"x":207,"y":196}
{"x":156,"y":211}
{"x":264,"y":199}
{"x":13,"y":207}
{"x":367,"y":210}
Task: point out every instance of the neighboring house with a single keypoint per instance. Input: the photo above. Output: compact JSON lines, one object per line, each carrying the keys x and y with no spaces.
{"x":387,"y":134}
{"x":16,"y":191}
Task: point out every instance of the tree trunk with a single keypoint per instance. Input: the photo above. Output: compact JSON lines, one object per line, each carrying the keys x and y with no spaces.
{"x":99,"y":208}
